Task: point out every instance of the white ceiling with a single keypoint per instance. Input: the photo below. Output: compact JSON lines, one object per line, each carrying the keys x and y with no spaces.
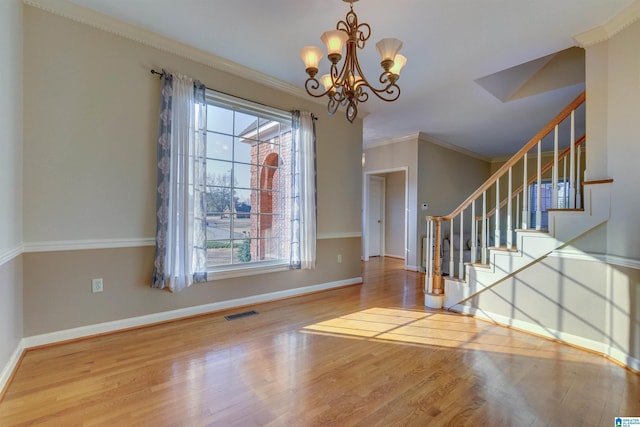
{"x":449,"y":44}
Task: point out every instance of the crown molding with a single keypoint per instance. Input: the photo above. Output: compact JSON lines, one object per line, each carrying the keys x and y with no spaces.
{"x":428,"y":138}
{"x":387,"y":141}
{"x":604,"y":32}
{"x":421,"y":136}
{"x":111,"y":25}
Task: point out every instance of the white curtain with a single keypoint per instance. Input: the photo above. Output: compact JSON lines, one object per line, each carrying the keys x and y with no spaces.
{"x":181,"y":257}
{"x":303,"y":207}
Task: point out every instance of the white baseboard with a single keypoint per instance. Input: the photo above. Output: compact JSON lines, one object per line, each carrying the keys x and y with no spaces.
{"x":11,"y":364}
{"x":599,"y":347}
{"x":132,"y":322}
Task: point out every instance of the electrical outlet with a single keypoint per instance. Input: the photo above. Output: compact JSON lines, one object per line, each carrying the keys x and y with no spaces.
{"x":339,"y":258}
{"x":96,"y":285}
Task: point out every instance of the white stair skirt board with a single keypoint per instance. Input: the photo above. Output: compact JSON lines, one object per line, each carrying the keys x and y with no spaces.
{"x":578,"y":341}
{"x":564,"y":226}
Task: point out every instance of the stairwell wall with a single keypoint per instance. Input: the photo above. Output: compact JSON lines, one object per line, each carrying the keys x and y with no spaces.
{"x":588,"y":293}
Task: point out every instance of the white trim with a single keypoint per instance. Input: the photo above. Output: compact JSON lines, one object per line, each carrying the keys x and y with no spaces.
{"x":106,"y":23}
{"x":428,"y":138}
{"x":612,"y":27}
{"x":342,"y":235}
{"x":243,"y":270}
{"x":597,"y":257}
{"x":11,"y":364}
{"x":578,"y":341}
{"x":421,"y":136}
{"x":132,"y":322}
{"x":73,"y":245}
{"x":387,"y":141}
{"x":11,"y":254}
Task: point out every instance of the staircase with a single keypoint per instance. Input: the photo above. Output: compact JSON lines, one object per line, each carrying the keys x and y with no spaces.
{"x":510,"y":237}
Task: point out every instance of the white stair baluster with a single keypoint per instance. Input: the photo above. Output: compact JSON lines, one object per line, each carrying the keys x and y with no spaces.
{"x":483,"y":255}
{"x":565,"y":194}
{"x":474,"y":233}
{"x":554,"y":175}
{"x":525,"y":193}
{"x":461,"y":265}
{"x":518,"y":211}
{"x":451,"y":256}
{"x":496,"y":216}
{"x":509,"y":210}
{"x":579,"y":180}
{"x":539,"y":189}
{"x":572,"y":166}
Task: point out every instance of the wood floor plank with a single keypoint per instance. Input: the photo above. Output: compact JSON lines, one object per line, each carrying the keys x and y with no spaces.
{"x":362,"y":355}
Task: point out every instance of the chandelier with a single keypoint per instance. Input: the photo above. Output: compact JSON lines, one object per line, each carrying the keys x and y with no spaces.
{"x":346,"y":85}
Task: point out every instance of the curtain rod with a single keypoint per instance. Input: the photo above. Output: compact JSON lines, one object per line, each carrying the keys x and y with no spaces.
{"x":159,"y":74}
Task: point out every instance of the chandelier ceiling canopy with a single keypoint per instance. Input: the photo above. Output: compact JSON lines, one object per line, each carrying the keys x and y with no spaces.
{"x":345,"y":84}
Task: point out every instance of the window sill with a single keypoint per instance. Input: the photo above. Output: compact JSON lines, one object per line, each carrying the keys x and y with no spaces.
{"x":241,"y":271}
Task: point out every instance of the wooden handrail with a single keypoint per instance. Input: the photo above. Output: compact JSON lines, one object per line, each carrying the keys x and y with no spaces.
{"x":543,"y":170}
{"x":516,"y":157}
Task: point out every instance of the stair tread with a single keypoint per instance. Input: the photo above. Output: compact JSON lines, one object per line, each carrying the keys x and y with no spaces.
{"x":478,"y":264}
{"x":565,"y":210}
{"x":503,"y":248}
{"x":531,"y":230}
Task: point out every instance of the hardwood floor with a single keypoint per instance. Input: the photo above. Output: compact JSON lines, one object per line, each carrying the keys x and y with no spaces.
{"x":365,"y":355}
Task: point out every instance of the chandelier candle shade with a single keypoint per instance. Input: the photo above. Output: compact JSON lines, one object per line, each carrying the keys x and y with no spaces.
{"x":346,"y":85}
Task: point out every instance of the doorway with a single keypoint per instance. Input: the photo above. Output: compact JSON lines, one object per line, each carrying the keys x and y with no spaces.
{"x":385,"y":214}
{"x":376,"y":215}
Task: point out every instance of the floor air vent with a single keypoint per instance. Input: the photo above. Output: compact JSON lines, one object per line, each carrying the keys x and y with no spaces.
{"x":240,"y":315}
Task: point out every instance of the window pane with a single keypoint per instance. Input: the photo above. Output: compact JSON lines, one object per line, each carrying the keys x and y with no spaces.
{"x":219,"y":252}
{"x":243,"y":150}
{"x":218,"y":227}
{"x":242,"y":251}
{"x":245,"y":125}
{"x":242,"y":175}
{"x":265,"y":149}
{"x":268,"y":178}
{"x":243,"y":196}
{"x":219,"y":146}
{"x":218,"y":201}
{"x":219,"y":119}
{"x":218,"y":173}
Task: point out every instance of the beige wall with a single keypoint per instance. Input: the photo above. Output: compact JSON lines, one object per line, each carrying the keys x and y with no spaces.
{"x":396,"y":156}
{"x":438,"y":176}
{"x":57,"y":295}
{"x":89,"y":165}
{"x":10,"y":179}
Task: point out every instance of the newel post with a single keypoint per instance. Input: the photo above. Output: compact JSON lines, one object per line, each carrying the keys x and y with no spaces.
{"x":435,"y":298}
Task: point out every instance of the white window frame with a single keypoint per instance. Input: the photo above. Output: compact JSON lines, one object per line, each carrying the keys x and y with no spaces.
{"x":253,"y":267}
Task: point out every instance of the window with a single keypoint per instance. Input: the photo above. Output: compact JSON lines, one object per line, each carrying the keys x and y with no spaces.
{"x":546,"y":201}
{"x":247,"y":183}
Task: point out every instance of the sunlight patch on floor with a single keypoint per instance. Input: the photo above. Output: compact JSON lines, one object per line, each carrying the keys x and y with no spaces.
{"x":435,"y":329}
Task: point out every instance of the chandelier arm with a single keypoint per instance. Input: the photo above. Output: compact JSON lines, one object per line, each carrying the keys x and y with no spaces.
{"x":388,"y":93}
{"x":312,"y":85}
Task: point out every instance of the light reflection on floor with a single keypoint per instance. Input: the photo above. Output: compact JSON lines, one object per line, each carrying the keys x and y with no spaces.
{"x":436,"y":329}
